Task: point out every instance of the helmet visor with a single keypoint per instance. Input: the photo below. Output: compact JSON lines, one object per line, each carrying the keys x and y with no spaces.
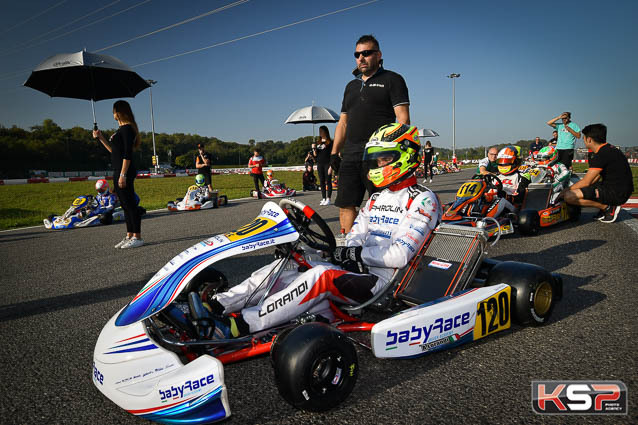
{"x":377,"y":158}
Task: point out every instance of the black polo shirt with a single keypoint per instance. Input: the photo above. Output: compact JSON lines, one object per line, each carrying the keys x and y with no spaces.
{"x":614,"y":169}
{"x":370,"y":105}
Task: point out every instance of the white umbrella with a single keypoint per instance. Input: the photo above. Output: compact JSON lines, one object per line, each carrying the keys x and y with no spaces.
{"x":426,"y":132}
{"x":312,"y":115}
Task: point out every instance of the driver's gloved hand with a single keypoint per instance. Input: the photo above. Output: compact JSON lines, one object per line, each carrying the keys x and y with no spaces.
{"x":335,"y":163}
{"x":349,"y":258}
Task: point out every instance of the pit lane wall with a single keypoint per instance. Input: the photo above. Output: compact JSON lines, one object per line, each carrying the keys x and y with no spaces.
{"x":60,"y":177}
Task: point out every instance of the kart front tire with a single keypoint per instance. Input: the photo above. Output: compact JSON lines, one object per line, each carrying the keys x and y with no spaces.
{"x":316,"y":367}
{"x":535,"y":290}
{"x":106,"y":218}
{"x":529,"y":222}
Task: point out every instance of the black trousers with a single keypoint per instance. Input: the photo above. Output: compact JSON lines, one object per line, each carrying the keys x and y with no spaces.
{"x":256,"y":179}
{"x":324,"y":180}
{"x":128,"y":202}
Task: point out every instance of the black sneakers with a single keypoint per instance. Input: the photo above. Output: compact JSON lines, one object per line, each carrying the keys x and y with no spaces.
{"x":611,"y":214}
{"x":600,"y":214}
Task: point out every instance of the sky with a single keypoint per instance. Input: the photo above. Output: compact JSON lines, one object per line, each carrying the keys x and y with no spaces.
{"x":521,"y":63}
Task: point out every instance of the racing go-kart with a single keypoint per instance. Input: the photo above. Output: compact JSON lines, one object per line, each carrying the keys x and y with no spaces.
{"x":82,"y":213}
{"x":191,"y":201}
{"x":476,"y":205}
{"x":274,"y":189}
{"x":156,"y":357}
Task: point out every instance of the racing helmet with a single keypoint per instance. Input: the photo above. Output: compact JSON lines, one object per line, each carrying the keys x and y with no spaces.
{"x":102,"y":186}
{"x":508,"y":160}
{"x":547,"y":156}
{"x":269,"y":174}
{"x":399,"y":145}
{"x":200,"y":180}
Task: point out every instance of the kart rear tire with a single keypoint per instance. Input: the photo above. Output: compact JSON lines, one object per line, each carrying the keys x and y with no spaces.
{"x":535,"y":291}
{"x":529,"y":222}
{"x":574,"y":212}
{"x":106,"y":218}
{"x":316,"y":367}
{"x":222,"y":200}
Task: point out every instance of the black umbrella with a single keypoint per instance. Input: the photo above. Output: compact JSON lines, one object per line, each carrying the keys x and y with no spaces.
{"x":85,"y":75}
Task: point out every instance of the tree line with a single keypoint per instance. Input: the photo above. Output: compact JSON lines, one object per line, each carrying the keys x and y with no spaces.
{"x":51,"y":148}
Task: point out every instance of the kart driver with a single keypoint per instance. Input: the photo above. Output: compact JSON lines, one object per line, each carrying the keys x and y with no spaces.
{"x":386,"y":234}
{"x":548,"y":157}
{"x":201,"y":193}
{"x":269,"y":178}
{"x":514,"y":182}
{"x":105,"y":201}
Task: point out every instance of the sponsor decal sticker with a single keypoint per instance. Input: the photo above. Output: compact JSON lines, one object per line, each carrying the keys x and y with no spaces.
{"x":250,"y":229}
{"x":180,"y":391}
{"x":440,"y":264}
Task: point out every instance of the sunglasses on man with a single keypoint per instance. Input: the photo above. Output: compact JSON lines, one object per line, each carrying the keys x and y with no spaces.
{"x":365,"y":53}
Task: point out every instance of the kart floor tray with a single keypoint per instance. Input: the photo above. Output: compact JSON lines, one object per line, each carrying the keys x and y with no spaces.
{"x":449,"y":263}
{"x":537,"y":197}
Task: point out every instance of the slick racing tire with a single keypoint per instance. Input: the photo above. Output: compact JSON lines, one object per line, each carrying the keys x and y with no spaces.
{"x":316,"y":367}
{"x":106,"y":218}
{"x":222,"y":200}
{"x":535,"y":291}
{"x":529,"y":222}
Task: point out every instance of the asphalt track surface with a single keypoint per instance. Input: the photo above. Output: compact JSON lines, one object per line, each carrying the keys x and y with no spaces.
{"x":60,"y":288}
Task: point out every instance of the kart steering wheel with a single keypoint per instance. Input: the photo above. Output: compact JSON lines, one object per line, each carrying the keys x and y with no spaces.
{"x":313,"y":230}
{"x":492,"y":181}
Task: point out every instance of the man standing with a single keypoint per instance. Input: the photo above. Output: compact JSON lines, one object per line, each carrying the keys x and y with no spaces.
{"x":202,"y":163}
{"x":488,"y":165}
{"x":609,"y":165}
{"x":374,"y":98}
{"x":536,"y":146}
{"x":568,"y":132}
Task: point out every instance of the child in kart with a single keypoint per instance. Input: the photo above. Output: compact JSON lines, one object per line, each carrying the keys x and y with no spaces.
{"x":200,"y":193}
{"x":514,"y":182}
{"x":386,"y":234}
{"x":547,"y":158}
{"x":270,"y":176}
{"x":105,"y":201}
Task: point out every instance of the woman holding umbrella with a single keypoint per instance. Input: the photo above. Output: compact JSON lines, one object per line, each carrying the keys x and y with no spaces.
{"x":121,"y":145}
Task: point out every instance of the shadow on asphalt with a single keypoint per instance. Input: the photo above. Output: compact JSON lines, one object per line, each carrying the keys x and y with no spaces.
{"x":559,"y":254}
{"x":126,"y":290}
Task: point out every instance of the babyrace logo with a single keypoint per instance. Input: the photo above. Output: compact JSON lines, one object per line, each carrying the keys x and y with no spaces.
{"x":579,"y":397}
{"x":186,"y":388}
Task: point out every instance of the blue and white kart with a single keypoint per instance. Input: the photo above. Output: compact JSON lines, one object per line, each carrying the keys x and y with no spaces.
{"x":157,"y":359}
{"x":83,"y":212}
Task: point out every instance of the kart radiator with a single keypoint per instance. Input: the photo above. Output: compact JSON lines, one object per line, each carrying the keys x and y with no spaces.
{"x":445,"y":266}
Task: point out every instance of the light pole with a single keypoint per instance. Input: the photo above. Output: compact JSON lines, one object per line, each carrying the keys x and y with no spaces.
{"x":151,"y":82}
{"x":453,"y":76}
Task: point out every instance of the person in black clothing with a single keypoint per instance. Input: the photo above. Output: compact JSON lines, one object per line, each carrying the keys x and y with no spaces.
{"x":309,"y":180}
{"x":428,"y":154}
{"x":311,"y":157}
{"x":121,"y":145}
{"x":608,"y":182}
{"x":535,"y":146}
{"x":324,"y":147}
{"x":202,"y":163}
{"x":374,"y":98}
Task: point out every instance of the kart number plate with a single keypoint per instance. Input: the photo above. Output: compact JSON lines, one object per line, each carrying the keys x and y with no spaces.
{"x":251,"y":229}
{"x":469,"y":189}
{"x":493,"y":314}
{"x":78,"y":201}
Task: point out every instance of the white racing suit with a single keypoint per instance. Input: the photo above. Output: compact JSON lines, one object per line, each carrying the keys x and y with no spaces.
{"x":561,"y":180}
{"x":391,"y":228}
{"x":198,"y":194}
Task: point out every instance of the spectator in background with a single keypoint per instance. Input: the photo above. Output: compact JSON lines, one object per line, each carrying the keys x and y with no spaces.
{"x":256,"y":164}
{"x":122,"y":143}
{"x":309,"y":180}
{"x":323,"y":165}
{"x":536,"y":146}
{"x":608,"y":182}
{"x":568,"y":132}
{"x":428,"y":155}
{"x":311,"y":157}
{"x":202,"y":163}
{"x":376,"y":97}
{"x":554,"y":139}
